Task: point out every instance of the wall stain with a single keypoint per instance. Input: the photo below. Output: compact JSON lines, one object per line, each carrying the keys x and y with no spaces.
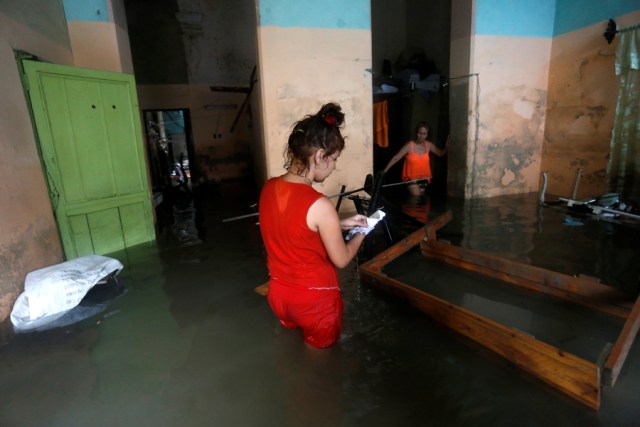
{"x":581,"y":69}
{"x":579,"y":121}
{"x":28,"y":251}
{"x":510,"y":141}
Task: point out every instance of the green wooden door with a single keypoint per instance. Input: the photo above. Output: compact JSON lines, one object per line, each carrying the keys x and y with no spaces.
{"x":88,"y":127}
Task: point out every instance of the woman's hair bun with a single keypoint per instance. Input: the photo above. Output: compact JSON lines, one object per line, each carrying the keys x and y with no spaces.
{"x":334,"y":111}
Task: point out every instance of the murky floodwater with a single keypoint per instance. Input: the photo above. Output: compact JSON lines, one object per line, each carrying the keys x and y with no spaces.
{"x":191,"y":344}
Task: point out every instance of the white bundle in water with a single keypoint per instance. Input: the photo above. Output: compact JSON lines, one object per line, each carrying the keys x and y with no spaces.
{"x":52,"y":291}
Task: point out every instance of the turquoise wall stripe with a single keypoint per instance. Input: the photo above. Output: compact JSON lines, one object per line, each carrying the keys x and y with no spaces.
{"x":572,"y":15}
{"x":350,"y":14}
{"x":86,"y":10}
{"x":515,"y":17}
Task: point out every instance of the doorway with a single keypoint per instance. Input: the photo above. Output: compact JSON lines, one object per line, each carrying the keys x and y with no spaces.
{"x":410,"y":72}
{"x":171,"y":154}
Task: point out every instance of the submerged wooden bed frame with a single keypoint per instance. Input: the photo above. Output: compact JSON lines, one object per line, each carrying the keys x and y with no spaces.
{"x":576,"y":377}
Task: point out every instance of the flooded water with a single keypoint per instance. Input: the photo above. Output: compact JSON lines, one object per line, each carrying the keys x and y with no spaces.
{"x":190,"y":343}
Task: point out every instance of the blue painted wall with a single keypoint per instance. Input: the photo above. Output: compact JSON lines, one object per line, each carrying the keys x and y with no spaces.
{"x":515,"y":17}
{"x":351,"y":14}
{"x":572,"y":15}
{"x":545,"y":18}
{"x":86,"y":10}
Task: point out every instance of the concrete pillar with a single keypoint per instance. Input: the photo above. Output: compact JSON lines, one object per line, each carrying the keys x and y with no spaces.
{"x":98,"y":34}
{"x":311,"y":53}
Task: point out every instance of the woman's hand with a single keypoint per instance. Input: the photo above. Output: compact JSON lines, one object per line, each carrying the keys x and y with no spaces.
{"x":322,"y":216}
{"x":354,"y":221}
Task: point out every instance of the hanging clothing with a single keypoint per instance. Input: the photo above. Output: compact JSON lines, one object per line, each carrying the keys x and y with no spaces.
{"x":303,"y":285}
{"x":416,"y":165}
{"x":381,"y":123}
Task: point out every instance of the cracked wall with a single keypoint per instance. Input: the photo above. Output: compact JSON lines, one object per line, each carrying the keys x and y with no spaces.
{"x":582,"y":99}
{"x":28,"y":232}
{"x":303,"y":68}
{"x":508,"y":104}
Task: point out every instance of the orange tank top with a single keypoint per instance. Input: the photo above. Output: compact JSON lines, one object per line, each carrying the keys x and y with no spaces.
{"x":416,"y":165}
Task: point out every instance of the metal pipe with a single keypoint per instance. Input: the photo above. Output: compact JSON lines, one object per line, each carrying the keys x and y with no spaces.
{"x":377,"y":186}
{"x":344,"y":187}
{"x":346,"y":193}
{"x":544,"y":187}
{"x":597,"y":210}
{"x":240,"y":217}
{"x":575,"y":184}
{"x":413,"y":181}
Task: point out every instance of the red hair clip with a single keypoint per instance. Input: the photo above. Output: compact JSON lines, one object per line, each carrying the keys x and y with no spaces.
{"x":330,"y":119}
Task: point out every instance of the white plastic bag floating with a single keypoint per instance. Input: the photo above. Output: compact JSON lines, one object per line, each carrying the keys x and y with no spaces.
{"x":52,"y":291}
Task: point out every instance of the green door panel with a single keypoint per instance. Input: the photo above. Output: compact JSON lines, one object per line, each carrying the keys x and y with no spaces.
{"x":126,"y":157}
{"x":81,"y":235}
{"x":133,"y":218}
{"x":106,"y":231}
{"x":88,"y":128}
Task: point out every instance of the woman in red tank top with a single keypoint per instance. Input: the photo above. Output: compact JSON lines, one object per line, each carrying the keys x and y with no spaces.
{"x":416,"y":159}
{"x":302,"y":232}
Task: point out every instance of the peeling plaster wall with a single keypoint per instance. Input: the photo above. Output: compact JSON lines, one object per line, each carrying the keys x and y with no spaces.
{"x":28,"y":232}
{"x":513,"y":81}
{"x":303,"y":68}
{"x":102,"y":44}
{"x":582,"y":99}
{"x":544,"y":98}
{"x":499,"y":67}
{"x":177,"y":63}
{"x":309,"y":55}
{"x":221,"y":48}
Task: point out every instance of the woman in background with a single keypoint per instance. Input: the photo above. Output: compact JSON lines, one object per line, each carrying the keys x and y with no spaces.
{"x":417,"y":164}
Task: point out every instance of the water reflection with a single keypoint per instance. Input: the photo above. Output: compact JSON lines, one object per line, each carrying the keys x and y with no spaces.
{"x":311,"y":382}
{"x":516,"y":227}
{"x":98,"y":299}
{"x":190,"y":343}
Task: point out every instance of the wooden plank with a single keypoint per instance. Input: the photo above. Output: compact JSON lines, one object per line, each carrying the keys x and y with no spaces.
{"x":408,"y":242}
{"x":571,"y":375}
{"x":578,"y":290}
{"x":620,"y":350}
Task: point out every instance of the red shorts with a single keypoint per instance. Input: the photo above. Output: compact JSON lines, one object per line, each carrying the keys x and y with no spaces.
{"x":317,"y":312}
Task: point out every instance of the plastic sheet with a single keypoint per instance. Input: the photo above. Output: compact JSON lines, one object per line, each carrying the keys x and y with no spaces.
{"x":52,"y":291}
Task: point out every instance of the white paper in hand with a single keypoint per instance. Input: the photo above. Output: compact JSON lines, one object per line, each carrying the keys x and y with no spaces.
{"x":375,"y":218}
{"x":372,"y":221}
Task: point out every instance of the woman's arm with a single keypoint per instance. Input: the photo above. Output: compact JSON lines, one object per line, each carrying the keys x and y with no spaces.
{"x":399,"y":155}
{"x":433,"y":148}
{"x":323,"y":218}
